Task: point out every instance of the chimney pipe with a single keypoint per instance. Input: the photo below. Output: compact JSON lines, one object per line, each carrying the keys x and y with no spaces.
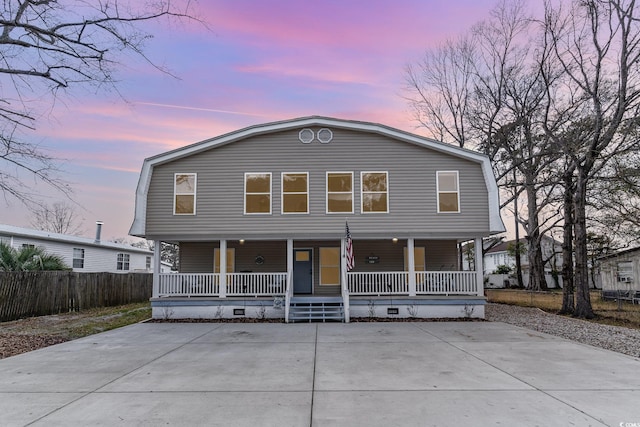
{"x":98,"y":231}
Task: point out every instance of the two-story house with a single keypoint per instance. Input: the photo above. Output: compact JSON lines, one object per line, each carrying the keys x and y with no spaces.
{"x":260,"y":218}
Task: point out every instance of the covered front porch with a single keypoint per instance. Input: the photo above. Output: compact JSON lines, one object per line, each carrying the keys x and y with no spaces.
{"x":391,"y":278}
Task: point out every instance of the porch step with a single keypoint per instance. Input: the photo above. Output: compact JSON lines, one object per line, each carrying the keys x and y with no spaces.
{"x":316,"y":309}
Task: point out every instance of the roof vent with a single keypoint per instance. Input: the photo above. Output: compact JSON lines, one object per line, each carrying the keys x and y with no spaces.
{"x":306,"y":136}
{"x":325,"y":135}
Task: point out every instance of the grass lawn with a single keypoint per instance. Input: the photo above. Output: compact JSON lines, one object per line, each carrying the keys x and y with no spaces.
{"x":607,"y":312}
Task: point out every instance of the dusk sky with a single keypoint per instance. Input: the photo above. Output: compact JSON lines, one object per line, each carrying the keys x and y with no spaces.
{"x":259,"y":61}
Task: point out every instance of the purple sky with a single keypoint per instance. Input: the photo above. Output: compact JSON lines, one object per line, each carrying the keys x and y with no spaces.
{"x":260,"y":61}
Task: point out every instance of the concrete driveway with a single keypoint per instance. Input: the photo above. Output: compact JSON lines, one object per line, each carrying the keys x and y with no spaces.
{"x":359,"y":374}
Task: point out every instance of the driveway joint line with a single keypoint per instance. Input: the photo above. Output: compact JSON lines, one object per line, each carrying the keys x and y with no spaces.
{"x":85,"y":394}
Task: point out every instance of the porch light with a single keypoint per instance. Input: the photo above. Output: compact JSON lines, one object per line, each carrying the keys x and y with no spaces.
{"x":241,"y":241}
{"x":394,"y":240}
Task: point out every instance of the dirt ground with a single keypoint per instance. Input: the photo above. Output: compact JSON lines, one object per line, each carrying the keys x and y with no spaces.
{"x":21,"y":336}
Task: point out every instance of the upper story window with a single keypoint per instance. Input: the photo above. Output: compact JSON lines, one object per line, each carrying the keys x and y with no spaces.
{"x":123,"y":262}
{"x":257,"y":193}
{"x":147,"y":263}
{"x":78,"y":258}
{"x":375,"y":192}
{"x":184,"y":194}
{"x":448,"y":191}
{"x":339,"y":192}
{"x":295,"y":192}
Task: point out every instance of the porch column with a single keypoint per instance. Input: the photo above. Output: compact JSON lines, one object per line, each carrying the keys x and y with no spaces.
{"x":411,"y":266}
{"x":156,"y":268}
{"x":223,"y":269}
{"x":479,"y":265}
{"x":289,"y":261}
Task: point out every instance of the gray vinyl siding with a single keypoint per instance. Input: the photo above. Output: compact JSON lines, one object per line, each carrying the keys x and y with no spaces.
{"x":412,"y":190}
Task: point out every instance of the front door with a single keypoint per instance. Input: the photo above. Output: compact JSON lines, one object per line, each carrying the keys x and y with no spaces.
{"x":302,"y":271}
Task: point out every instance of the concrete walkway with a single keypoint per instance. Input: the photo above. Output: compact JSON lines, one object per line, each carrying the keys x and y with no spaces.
{"x":360,"y":374}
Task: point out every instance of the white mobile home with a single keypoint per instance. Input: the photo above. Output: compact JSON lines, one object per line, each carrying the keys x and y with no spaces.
{"x":81,"y":253}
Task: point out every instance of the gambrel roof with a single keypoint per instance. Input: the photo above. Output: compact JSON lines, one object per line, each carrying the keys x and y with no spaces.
{"x":139,"y":223}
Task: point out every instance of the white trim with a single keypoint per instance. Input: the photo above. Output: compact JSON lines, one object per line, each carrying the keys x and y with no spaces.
{"x":138,"y":228}
{"x":447,"y":192}
{"x":282,"y":174}
{"x":244,"y":194}
{"x":175,"y":193}
{"x":373,"y":192}
{"x":326,"y":198}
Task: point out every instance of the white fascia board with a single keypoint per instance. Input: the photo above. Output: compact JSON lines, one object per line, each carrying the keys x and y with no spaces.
{"x":138,"y":227}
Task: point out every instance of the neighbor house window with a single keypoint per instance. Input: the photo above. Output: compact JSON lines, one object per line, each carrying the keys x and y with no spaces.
{"x":339,"y":192}
{"x":78,"y":258}
{"x":184,"y":194}
{"x":28,"y":246}
{"x":147,"y":263}
{"x":625,"y":271}
{"x":257,"y":193}
{"x":448,"y":191}
{"x":295,"y":192}
{"x":123,"y":262}
{"x":375,"y":192}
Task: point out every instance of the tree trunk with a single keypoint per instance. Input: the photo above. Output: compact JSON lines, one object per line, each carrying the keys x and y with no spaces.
{"x":517,"y":252}
{"x":537,"y":281}
{"x":583,"y":299}
{"x":568,"y":302}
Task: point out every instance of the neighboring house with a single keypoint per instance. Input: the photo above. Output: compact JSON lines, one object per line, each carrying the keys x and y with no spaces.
{"x":259,"y":215}
{"x":621,"y":272}
{"x":499,"y":255}
{"x":81,"y":253}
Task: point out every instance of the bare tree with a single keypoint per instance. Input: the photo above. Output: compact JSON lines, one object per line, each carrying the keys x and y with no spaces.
{"x":487,"y":87}
{"x":49,"y":46}
{"x":597,"y":45}
{"x":60,"y":217}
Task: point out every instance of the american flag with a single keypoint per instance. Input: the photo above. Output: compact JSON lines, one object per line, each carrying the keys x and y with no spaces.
{"x":349,"y":248}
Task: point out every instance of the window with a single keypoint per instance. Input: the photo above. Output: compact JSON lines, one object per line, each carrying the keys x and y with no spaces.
{"x":231,"y":255}
{"x":329,"y":266}
{"x":184,"y":194}
{"x":625,"y":271}
{"x":28,"y":246}
{"x":147,"y":263}
{"x":418,"y":259}
{"x":375,"y":187}
{"x":448,"y":194}
{"x":78,"y":258}
{"x":339,"y":192}
{"x":295,"y":192}
{"x":257,"y":193}
{"x":123,"y":262}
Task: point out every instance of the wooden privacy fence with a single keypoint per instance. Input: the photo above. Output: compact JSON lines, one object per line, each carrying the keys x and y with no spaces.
{"x":26,"y":294}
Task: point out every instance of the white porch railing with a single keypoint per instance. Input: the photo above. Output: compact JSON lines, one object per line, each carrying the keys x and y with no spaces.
{"x":189,"y":284}
{"x":446,"y":283}
{"x":380,"y":283}
{"x":208,"y":284}
{"x":256,"y":284}
{"x":427,"y":283}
